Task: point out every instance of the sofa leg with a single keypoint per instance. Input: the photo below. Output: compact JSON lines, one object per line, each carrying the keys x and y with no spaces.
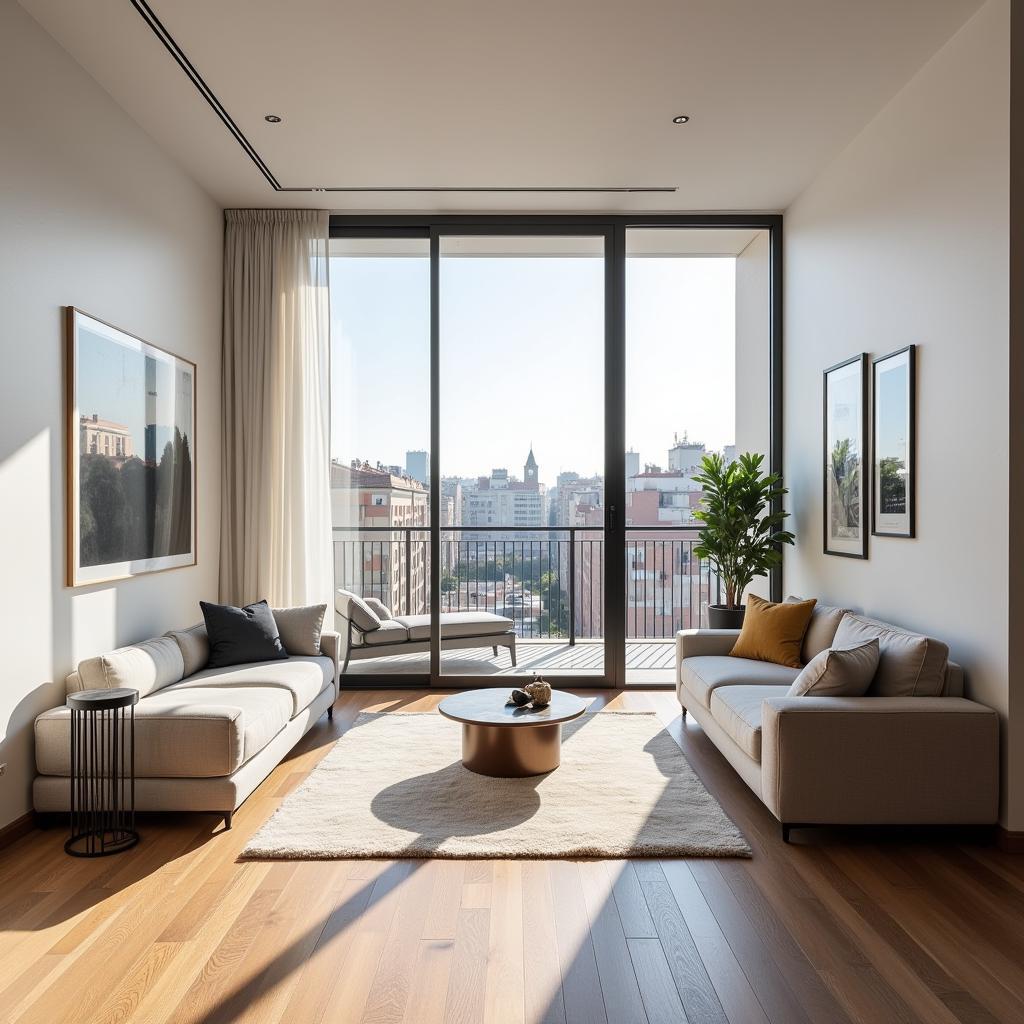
{"x":684,"y":713}
{"x":785,"y":832}
{"x":495,"y":649}
{"x":330,"y":713}
{"x":227,"y":819}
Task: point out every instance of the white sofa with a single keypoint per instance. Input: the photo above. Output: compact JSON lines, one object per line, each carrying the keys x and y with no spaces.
{"x":371,"y":631}
{"x":913,"y":751}
{"x":205,"y":738}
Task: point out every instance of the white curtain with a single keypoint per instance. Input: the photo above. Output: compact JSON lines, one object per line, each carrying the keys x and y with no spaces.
{"x":276,"y":503}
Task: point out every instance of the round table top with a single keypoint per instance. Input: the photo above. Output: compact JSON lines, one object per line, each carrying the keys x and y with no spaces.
{"x":487,"y":707}
{"x":103,"y":700}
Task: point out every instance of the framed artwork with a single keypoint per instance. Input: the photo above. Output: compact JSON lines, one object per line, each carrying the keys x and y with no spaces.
{"x":130,"y":411}
{"x":892,"y":443}
{"x":845,"y":458}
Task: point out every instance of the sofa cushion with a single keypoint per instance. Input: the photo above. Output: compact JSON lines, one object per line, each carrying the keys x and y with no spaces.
{"x":182,"y":733}
{"x":821,"y":631}
{"x":702,"y":675}
{"x":194,"y":644}
{"x":352,"y":606}
{"x":909,"y":664}
{"x":773,"y":631}
{"x":147,"y":667}
{"x":241,"y":635}
{"x":737,"y":709}
{"x":456,"y":624}
{"x":390,"y":632}
{"x":838,"y":672}
{"x":300,"y":628}
{"x":301,"y":678}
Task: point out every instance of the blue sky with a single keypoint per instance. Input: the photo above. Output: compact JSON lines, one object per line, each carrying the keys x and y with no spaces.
{"x":521,"y":359}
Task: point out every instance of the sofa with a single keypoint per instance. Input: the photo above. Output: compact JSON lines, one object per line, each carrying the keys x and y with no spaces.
{"x":371,"y":631}
{"x":205,"y":738}
{"x":914,"y":750}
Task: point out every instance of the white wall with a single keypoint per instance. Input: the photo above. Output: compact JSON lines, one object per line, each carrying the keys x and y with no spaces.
{"x":904,"y":239}
{"x":92,"y":214}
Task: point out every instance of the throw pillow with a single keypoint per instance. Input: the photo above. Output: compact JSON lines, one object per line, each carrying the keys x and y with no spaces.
{"x":379,"y":608}
{"x":352,"y":607}
{"x":300,"y":628}
{"x":822,"y":630}
{"x":838,"y":672}
{"x":773,"y":632}
{"x":239,"y":635}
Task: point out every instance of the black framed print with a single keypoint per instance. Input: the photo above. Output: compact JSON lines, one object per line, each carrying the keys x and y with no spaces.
{"x":893,"y":418}
{"x":131,"y":472}
{"x":845,"y":410}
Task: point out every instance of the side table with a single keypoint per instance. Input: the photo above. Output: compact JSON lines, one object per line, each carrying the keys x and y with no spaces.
{"x":102,"y":772}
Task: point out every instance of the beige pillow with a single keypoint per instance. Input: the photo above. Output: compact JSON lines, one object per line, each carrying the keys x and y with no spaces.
{"x":838,"y":672}
{"x":146,"y":667}
{"x":353,"y":607}
{"x":822,"y":629}
{"x":300,"y":628}
{"x":379,"y":607}
{"x":194,"y":644}
{"x":909,"y":664}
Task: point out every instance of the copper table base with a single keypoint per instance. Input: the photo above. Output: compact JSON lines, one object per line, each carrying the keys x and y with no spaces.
{"x":507,"y":753}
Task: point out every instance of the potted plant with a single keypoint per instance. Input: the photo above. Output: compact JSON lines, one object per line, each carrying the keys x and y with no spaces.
{"x":741,"y":537}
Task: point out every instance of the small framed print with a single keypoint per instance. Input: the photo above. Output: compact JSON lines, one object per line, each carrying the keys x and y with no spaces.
{"x":845,"y":402}
{"x":131,"y":473}
{"x":893,"y":418}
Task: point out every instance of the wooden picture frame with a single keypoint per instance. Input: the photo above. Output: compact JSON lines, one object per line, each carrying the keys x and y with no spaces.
{"x":130,"y":420}
{"x":845,"y":458}
{"x":893,"y":443}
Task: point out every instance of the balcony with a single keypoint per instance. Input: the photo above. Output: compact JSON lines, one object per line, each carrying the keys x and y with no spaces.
{"x":548,"y":580}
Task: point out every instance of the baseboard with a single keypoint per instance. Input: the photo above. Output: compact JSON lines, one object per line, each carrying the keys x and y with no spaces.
{"x":1010,"y":842}
{"x":16,"y":829}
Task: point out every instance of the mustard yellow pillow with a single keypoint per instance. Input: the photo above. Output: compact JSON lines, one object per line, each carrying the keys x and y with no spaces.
{"x":773,"y":632}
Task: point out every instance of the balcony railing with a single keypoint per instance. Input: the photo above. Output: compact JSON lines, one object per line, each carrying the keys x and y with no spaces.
{"x":548,"y":580}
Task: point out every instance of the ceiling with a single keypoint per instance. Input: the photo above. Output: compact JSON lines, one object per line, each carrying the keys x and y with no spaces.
{"x":507,"y":94}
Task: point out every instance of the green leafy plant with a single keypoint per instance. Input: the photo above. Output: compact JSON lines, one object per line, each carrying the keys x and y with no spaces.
{"x":742,"y":536}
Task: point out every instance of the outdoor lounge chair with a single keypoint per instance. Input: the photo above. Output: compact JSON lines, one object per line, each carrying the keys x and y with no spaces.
{"x":372,"y":631}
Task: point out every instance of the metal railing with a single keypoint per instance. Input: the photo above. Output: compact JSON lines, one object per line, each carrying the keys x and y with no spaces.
{"x":548,"y":580}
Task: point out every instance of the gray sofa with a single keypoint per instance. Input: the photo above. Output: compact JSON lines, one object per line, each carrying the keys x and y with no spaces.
{"x":205,"y":738}
{"x":913,"y":751}
{"x":371,"y":631}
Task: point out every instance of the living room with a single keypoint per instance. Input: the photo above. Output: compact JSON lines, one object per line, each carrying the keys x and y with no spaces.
{"x":508,"y":511}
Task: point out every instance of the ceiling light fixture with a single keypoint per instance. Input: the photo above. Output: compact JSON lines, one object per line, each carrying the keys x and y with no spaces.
{"x":272,"y":118}
{"x":681,"y":119}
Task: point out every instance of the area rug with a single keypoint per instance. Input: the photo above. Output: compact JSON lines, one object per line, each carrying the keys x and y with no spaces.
{"x":394,"y":786}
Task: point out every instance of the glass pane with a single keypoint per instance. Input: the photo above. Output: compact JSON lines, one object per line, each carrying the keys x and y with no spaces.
{"x":380,"y":439}
{"x":522,"y":449}
{"x":697,"y":358}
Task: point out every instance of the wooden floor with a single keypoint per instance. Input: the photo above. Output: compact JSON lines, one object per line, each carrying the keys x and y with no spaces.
{"x":832,"y":928}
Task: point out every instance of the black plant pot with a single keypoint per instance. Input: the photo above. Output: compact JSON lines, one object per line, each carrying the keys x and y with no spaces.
{"x":720,"y":616}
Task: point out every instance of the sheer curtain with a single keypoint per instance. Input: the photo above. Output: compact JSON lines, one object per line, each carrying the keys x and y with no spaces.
{"x":276,"y":505}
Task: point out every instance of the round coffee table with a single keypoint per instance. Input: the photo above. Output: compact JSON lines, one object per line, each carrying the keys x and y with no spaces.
{"x":510,"y":742}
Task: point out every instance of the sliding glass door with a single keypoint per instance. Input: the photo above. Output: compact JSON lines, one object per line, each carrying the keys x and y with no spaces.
{"x":519,"y":411}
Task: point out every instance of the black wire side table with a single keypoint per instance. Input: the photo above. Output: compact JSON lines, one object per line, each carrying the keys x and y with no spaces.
{"x":102,"y":772}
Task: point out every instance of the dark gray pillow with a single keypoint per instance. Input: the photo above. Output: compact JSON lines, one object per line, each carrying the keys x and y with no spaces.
{"x":240,"y":635}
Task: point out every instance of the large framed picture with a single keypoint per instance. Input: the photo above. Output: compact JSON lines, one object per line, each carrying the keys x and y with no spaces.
{"x":845,"y":458}
{"x":892,"y":443}
{"x":131,"y":474}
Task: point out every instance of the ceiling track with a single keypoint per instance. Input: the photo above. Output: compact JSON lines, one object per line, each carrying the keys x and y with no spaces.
{"x":170,"y":44}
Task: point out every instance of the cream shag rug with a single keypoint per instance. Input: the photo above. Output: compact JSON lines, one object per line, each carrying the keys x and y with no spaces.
{"x":394,"y":786}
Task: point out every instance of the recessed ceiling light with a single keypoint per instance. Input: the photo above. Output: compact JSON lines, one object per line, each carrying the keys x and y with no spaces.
{"x":681,"y":119}
{"x":272,"y":118}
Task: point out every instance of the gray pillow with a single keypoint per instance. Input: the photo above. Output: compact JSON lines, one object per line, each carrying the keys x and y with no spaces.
{"x":821,"y":631}
{"x":354,"y":608}
{"x":194,"y":645}
{"x":300,"y":628}
{"x":379,"y":607}
{"x":909,"y":664}
{"x":838,"y":672}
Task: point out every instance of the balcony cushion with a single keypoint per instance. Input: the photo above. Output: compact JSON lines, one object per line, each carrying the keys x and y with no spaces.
{"x":456,"y":624}
{"x":390,"y":632}
{"x":197,"y":732}
{"x":352,"y":606}
{"x":147,"y":667}
{"x":301,"y":678}
{"x":737,"y":709}
{"x":703,"y":675}
{"x":909,"y":664}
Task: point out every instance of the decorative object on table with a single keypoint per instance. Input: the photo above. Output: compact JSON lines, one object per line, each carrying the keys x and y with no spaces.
{"x":539,"y":691}
{"x":130,"y":419}
{"x":518,"y":698}
{"x":741,"y":510}
{"x":102,"y":772}
{"x":892,"y":443}
{"x":845,"y":432}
